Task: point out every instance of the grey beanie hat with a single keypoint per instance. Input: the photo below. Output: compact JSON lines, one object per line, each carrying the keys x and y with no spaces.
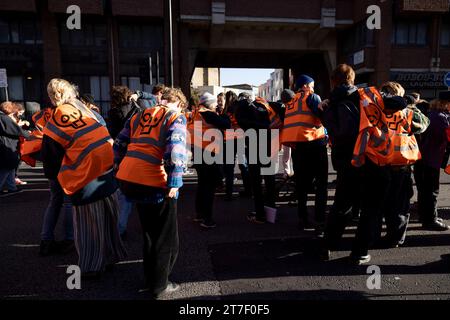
{"x":207,"y":99}
{"x":287,"y":95}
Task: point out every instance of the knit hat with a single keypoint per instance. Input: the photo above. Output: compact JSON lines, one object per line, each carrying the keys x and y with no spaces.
{"x":207,"y":99}
{"x":287,"y":95}
{"x":302,"y":80}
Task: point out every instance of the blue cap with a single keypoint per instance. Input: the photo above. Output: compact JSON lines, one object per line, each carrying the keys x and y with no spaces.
{"x":302,"y":80}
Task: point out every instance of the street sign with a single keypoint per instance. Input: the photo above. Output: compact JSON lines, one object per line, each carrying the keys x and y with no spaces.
{"x":447,"y":79}
{"x":3,"y":78}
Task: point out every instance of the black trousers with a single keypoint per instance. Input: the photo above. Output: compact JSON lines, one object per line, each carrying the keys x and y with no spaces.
{"x":208,"y":178}
{"x":427,"y":182}
{"x":160,"y":231}
{"x":260,"y":199}
{"x":346,"y":202}
{"x":229,"y":172}
{"x":374,"y":189}
{"x":396,"y":207}
{"x":311,"y":164}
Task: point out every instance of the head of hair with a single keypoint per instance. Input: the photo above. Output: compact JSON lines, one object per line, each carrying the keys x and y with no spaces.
{"x":393,"y":88}
{"x":416,"y":95}
{"x":87,"y":98}
{"x":220,"y":95}
{"x":159,"y":88}
{"x":244,"y":96}
{"x":61,"y":91}
{"x":303,"y":80}
{"x":8,"y":107}
{"x":120,"y":95}
{"x":173,"y":95}
{"x":343,"y":74}
{"x":287,"y":95}
{"x":440,"y":105}
{"x":230,"y":98}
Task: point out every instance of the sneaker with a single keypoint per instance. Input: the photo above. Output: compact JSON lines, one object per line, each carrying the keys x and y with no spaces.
{"x":436,"y":225}
{"x":20,"y":182}
{"x":254,"y":219}
{"x":171,"y":288}
{"x":208,"y":224}
{"x":359,"y":260}
{"x":198,"y":219}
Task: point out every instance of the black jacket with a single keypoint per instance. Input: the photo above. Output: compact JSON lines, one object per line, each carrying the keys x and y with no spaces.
{"x":9,"y":141}
{"x":117,"y":117}
{"x":341,"y":119}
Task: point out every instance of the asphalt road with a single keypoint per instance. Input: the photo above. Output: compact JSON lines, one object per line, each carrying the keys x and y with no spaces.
{"x":236,"y":260}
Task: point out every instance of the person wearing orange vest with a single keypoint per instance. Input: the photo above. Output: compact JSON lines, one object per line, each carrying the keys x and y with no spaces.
{"x":304,"y":133}
{"x":434,"y":146}
{"x":32,"y":147}
{"x":230,"y":110}
{"x":77,"y":150}
{"x":404,"y":120}
{"x":385,"y":149}
{"x":150,"y":158}
{"x":208,"y":174}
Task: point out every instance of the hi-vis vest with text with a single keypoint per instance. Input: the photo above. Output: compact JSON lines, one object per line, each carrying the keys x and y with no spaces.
{"x":384,"y":139}
{"x":87,"y":144}
{"x":31,"y":147}
{"x":197,"y":136}
{"x":143,"y":162}
{"x":300,"y":124}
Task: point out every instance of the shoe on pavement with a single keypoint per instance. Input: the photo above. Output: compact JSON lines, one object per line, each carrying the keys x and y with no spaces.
{"x":208,"y":224}
{"x":360,"y":260}
{"x":20,"y":182}
{"x":436,"y":225}
{"x":171,"y":288}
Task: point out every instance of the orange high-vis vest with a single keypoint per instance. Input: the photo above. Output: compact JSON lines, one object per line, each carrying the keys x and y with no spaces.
{"x":197,"y":135}
{"x":143,"y":162}
{"x":300,"y":124}
{"x":236,"y":132}
{"x":274,"y":118}
{"x":447,"y":169}
{"x":87,"y":144}
{"x":33,"y":146}
{"x":384,"y":139}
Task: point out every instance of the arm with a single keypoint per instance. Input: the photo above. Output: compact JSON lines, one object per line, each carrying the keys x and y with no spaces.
{"x":221,"y":122}
{"x":52,"y":154}
{"x":121,"y":143}
{"x":175,"y":155}
{"x":11,"y":129}
{"x":313,"y":103}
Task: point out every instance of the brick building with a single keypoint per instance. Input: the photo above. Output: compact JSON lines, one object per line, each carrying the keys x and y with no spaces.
{"x":118,"y":38}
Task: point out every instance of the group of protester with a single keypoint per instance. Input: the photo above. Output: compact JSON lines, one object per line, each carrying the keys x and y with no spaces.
{"x":98,"y":170}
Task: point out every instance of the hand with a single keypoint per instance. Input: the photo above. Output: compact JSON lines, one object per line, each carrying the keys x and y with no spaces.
{"x":323,"y":104}
{"x":172,"y":192}
{"x":134,"y":97}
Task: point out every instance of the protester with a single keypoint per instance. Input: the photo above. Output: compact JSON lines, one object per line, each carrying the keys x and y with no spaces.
{"x":433,"y":144}
{"x":254,"y":116}
{"x":305,"y":134}
{"x":204,"y":151}
{"x":286,"y":161}
{"x":405,"y":153}
{"x":10,"y":132}
{"x":77,"y":150}
{"x":150,"y":153}
{"x":235,"y":136}
{"x":220,"y":103}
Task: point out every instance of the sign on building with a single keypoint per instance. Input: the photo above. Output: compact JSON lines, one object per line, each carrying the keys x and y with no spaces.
{"x":3,"y":78}
{"x":427,"y":6}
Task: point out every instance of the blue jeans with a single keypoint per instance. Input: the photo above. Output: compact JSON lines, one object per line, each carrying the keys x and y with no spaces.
{"x":125,"y":209}
{"x":7,"y":179}
{"x":57,"y":200}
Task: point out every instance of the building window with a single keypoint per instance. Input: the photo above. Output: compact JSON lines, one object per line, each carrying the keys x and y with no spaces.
{"x":140,"y":36}
{"x":90,"y":34}
{"x":23,"y":31}
{"x":134,"y":83}
{"x":100,"y":92}
{"x":410,"y":33}
{"x":445,"y":35}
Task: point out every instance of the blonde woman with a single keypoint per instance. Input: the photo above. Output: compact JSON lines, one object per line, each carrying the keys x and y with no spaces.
{"x":77,"y":151}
